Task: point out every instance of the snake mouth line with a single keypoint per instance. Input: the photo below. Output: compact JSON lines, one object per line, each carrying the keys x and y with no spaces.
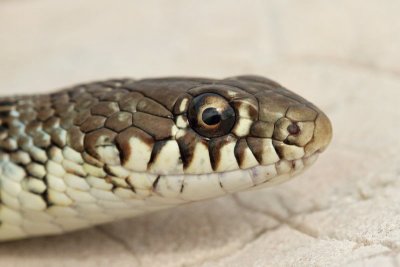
{"x":203,"y":186}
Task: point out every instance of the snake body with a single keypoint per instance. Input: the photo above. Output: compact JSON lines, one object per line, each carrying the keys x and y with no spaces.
{"x":107,"y":150}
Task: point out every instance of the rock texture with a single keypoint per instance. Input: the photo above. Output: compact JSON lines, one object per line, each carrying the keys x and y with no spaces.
{"x":343,"y":55}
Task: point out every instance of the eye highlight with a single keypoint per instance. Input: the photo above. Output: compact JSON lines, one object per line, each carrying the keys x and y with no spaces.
{"x":210,"y":115}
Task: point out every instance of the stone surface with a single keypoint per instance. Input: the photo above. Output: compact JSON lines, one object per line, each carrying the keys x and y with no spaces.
{"x":342,"y":55}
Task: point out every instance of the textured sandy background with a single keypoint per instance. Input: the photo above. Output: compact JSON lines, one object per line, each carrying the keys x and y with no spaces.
{"x":343,"y":55}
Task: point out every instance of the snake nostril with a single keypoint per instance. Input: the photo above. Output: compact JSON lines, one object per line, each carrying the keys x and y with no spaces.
{"x":293,"y":129}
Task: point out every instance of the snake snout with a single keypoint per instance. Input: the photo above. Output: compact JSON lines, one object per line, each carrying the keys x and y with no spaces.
{"x":322,"y":135}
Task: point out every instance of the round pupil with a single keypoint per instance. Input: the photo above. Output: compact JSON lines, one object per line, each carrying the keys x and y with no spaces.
{"x":211,"y":116}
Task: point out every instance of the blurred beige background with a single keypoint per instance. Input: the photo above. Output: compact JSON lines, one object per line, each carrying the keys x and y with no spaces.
{"x":343,"y":55}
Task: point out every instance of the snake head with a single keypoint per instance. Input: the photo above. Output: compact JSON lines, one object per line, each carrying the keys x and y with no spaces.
{"x":200,"y":138}
{"x":118,"y":148}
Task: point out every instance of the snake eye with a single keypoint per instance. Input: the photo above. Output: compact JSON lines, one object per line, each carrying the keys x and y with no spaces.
{"x":210,"y":115}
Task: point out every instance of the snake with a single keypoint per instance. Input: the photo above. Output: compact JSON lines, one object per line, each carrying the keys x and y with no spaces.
{"x":102,"y":151}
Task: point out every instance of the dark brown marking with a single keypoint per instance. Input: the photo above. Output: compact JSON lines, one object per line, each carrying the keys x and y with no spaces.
{"x":251,"y":104}
{"x":278,"y":146}
{"x":91,"y":160}
{"x":156,"y":150}
{"x":214,"y":148}
{"x":155,"y":183}
{"x":98,"y":138}
{"x":122,"y":142}
{"x":256,"y":146}
{"x":187,"y":144}
{"x":240,"y":149}
{"x":110,"y":172}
